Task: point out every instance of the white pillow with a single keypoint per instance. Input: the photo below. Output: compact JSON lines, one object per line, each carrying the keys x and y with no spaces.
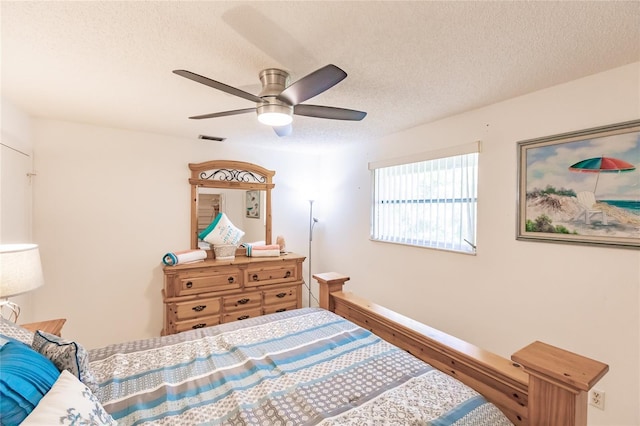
{"x":68,"y":399}
{"x":221,"y":231}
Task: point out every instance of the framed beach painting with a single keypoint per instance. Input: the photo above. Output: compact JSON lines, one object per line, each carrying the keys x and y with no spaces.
{"x":581,"y":187}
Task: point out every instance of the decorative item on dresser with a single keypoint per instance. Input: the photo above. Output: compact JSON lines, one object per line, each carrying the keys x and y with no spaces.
{"x":212,"y":292}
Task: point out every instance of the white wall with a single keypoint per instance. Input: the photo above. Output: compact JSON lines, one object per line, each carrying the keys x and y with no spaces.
{"x":583,"y":298}
{"x":16,"y":162}
{"x":109,"y":204}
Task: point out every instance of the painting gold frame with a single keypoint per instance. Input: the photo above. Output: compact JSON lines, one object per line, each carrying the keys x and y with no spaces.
{"x":581,"y":187}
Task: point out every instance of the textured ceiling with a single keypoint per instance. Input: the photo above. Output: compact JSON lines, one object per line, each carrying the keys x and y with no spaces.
{"x":109,"y":63}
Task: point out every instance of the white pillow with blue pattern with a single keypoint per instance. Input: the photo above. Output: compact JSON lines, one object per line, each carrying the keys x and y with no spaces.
{"x":69,"y":401}
{"x":11,"y":329}
{"x":65,"y":355}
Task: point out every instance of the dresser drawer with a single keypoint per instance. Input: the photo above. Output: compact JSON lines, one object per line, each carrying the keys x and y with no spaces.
{"x":281,"y":296}
{"x":210,"y":292}
{"x":196,"y":323}
{"x":227,"y":280}
{"x":280,"y":273}
{"x":196,"y":308}
{"x":241,"y":314}
{"x":271,"y":309}
{"x":247,"y":300}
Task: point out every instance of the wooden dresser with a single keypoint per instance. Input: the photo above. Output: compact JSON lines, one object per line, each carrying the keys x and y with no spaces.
{"x":211,"y":292}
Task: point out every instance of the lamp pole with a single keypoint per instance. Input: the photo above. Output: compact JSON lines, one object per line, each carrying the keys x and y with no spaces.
{"x":312,"y":222}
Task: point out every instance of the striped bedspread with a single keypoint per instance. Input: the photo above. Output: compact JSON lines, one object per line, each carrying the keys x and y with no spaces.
{"x":307,"y":366}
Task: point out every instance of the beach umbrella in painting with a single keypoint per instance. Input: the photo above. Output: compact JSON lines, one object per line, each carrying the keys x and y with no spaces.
{"x":602,"y":164}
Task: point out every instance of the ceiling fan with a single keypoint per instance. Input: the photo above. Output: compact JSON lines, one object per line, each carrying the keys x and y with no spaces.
{"x":278,"y":100}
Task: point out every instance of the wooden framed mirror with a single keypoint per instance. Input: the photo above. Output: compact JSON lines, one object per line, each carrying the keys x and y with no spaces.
{"x":231,"y":186}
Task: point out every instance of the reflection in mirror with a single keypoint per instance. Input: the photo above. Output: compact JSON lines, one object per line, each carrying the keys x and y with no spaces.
{"x":245,"y":209}
{"x":209,"y":205}
{"x":240,"y":190}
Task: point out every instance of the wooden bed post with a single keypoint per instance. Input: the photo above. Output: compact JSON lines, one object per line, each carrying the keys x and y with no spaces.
{"x":328,"y":282}
{"x":559,"y":382}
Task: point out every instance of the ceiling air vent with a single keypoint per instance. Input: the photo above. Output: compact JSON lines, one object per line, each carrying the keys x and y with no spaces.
{"x":212,"y":138}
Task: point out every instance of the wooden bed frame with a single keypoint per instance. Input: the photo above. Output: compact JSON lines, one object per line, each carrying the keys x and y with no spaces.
{"x":541,"y":385}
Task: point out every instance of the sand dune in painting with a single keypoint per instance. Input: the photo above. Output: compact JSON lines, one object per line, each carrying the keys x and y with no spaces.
{"x":566,"y":211}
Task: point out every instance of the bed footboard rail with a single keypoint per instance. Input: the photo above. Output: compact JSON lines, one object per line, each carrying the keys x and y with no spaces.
{"x":543,"y":385}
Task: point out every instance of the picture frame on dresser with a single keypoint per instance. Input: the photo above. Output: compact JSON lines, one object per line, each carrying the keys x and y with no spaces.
{"x":581,"y":187}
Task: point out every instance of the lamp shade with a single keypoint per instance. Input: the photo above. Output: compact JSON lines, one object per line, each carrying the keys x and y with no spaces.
{"x":20,"y":269}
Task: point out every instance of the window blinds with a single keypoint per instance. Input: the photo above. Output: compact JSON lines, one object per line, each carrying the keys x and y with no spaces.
{"x":430,"y":202}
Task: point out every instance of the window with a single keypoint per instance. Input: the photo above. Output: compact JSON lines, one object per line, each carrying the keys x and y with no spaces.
{"x":209,"y":205}
{"x":427,"y":200}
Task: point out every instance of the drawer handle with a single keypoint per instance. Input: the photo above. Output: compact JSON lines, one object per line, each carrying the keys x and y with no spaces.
{"x":281,"y":295}
{"x":231,"y":280}
{"x":288,"y":274}
{"x":243,"y":301}
{"x":189,"y":284}
{"x":243,"y":317}
{"x":281,"y":310}
{"x":199,"y":325}
{"x":254,"y":277}
{"x":199,"y":308}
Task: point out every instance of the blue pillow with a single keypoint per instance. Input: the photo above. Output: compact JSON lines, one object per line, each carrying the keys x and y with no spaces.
{"x":25,"y":377}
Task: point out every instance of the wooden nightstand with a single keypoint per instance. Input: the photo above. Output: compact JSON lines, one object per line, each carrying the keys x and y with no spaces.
{"x":51,"y":326}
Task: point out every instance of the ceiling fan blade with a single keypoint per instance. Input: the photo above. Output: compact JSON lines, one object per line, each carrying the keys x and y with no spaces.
{"x":283,"y":130}
{"x":312,"y":84}
{"x":223,"y":113}
{"x":217,"y":85}
{"x":329,"y":112}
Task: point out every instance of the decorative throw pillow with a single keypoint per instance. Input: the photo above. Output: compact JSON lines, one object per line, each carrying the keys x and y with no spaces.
{"x":25,"y":377}
{"x":69,"y":402}
{"x":221,"y":231}
{"x":6,"y":339}
{"x":12,"y":329}
{"x":66,"y":355}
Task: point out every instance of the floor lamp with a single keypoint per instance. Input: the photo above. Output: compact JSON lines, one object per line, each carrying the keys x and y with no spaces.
{"x":312,"y":223}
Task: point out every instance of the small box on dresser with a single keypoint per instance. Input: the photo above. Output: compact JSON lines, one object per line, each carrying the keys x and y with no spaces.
{"x":211,"y":292}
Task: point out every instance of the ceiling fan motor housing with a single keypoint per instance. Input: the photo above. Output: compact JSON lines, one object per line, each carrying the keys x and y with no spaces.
{"x":274,"y":81}
{"x":274,"y":106}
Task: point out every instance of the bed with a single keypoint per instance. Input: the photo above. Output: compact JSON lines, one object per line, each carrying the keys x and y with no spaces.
{"x":348,"y":362}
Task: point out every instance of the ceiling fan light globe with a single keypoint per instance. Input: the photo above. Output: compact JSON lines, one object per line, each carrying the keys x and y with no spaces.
{"x":275,"y":114}
{"x":275,"y":118}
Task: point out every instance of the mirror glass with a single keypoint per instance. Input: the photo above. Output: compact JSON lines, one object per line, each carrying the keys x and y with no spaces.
{"x":240,"y":190}
{"x":245,"y":209}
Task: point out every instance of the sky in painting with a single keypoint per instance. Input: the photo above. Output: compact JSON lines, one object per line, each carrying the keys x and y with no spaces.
{"x":549,"y":165}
